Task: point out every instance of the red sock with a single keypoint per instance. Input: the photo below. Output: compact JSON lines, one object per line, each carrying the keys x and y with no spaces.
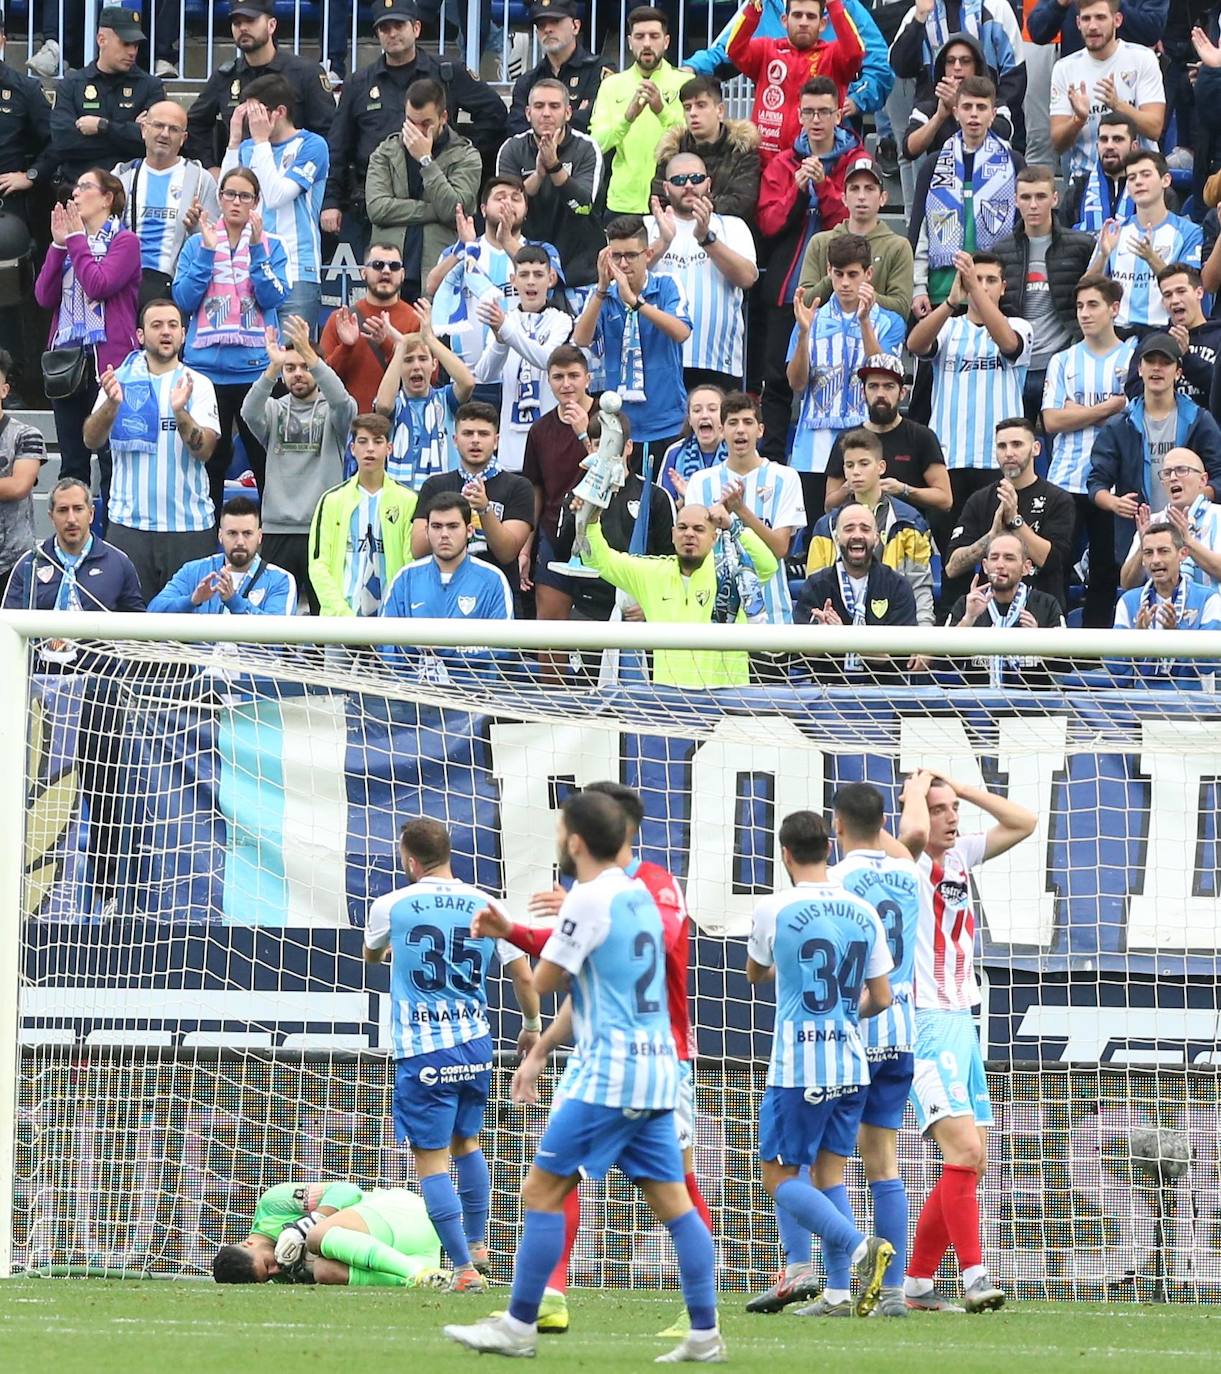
{"x":932,"y":1238}
{"x":572,"y":1224}
{"x":960,"y":1204}
{"x":697,"y":1200}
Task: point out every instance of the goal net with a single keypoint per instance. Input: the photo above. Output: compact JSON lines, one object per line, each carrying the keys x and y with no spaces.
{"x":205,"y":826}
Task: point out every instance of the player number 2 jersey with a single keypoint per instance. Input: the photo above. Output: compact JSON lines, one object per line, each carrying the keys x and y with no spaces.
{"x":609,"y":939}
{"x":892,"y":887}
{"x":945,"y":951}
{"x":824,"y":943}
{"x":438,"y":972}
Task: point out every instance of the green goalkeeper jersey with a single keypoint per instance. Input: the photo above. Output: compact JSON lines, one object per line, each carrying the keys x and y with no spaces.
{"x":288,"y":1202}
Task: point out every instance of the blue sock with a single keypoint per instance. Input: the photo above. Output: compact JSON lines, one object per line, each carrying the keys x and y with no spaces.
{"x":836,"y":1260}
{"x":890,"y":1222}
{"x":538,"y":1252}
{"x":475,"y":1192}
{"x":815,"y":1213}
{"x":794,"y":1237}
{"x":696,"y":1268}
{"x":445,"y":1213}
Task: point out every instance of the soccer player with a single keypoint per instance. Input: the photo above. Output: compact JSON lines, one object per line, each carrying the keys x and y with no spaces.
{"x":615,"y":1104}
{"x":335,"y":1233}
{"x":820,"y":944}
{"x":949,"y":1087}
{"x":442,"y":1042}
{"x":668,"y":895}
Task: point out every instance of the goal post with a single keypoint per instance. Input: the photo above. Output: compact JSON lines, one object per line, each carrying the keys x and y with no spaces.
{"x":196,"y":831}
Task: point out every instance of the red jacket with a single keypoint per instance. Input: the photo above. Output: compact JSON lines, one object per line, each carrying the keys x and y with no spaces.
{"x":780,"y":70}
{"x":790,"y":219}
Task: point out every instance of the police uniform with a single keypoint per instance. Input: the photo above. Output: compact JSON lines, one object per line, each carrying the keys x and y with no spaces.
{"x":582,"y":74}
{"x":208,"y":118}
{"x":25,"y":128}
{"x":372,"y":105}
{"x":115,"y":97}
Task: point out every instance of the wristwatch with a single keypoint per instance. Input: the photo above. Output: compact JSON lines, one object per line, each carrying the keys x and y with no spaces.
{"x":709,"y":238}
{"x":426,"y":160}
{"x":1016,"y":523}
{"x":32,"y":174}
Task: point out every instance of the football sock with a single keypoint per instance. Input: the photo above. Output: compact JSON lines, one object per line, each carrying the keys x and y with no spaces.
{"x":835,"y":1258}
{"x":475,"y":1194}
{"x":445,"y":1213}
{"x":932,"y":1238}
{"x":890,"y":1222}
{"x":360,"y":1251}
{"x":696,"y":1268}
{"x":542,"y":1244}
{"x":697,"y":1200}
{"x":960,"y":1206}
{"x":812,"y":1211}
{"x":795,"y":1238}
{"x":572,"y":1224}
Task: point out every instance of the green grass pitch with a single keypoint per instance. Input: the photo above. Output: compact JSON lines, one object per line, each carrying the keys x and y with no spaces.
{"x":64,"y":1326}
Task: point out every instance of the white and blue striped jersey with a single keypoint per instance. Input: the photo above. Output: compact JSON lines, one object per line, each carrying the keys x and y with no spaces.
{"x":823,"y":943}
{"x":1137,"y":75}
{"x":1176,"y":239}
{"x":364,"y":563}
{"x":608,"y":937}
{"x":168,"y":491}
{"x":773,"y":492}
{"x":974,"y":387}
{"x":1086,"y":378}
{"x":469,"y":340}
{"x":438,"y":973}
{"x":892,"y":887}
{"x":718,"y":325}
{"x":156,"y":203}
{"x":292,"y":177}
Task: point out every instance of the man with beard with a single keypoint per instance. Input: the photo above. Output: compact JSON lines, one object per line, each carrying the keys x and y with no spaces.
{"x":915,"y":464}
{"x":560,"y":171}
{"x":635,"y":108}
{"x":1182,"y":294}
{"x":372,"y":100}
{"x":1100,"y":194}
{"x":254,"y":28}
{"x":1195,"y":517}
{"x":356,"y":343}
{"x":161,"y":420}
{"x":557,"y":26}
{"x":305,"y":434}
{"x":236,"y":581}
{"x":1025,"y":504}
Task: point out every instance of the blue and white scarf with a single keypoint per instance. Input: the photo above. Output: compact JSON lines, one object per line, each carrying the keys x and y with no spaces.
{"x":1149,"y":600}
{"x":82,"y":320}
{"x":68,"y":597}
{"x":690,"y":459}
{"x":631,"y":357}
{"x":997,"y":666}
{"x":137,"y":426}
{"x":937,"y":25}
{"x":856,"y":612}
{"x":1097,"y":205}
{"x":418,"y":450}
{"x":993,"y":198}
{"x":462,"y":284}
{"x":738,"y":588}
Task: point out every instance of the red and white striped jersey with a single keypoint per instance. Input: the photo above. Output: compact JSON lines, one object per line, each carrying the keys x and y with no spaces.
{"x":668,"y":895}
{"x":945,"y":949}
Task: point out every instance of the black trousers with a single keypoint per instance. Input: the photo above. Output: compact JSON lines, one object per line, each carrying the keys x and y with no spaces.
{"x":70,"y":416}
{"x":1102,"y":586}
{"x":229,"y":398}
{"x":777,"y":407}
{"x":291,"y":552}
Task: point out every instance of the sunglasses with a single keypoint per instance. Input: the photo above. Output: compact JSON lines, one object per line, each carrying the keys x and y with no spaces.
{"x":688,"y":179}
{"x":385,"y":265}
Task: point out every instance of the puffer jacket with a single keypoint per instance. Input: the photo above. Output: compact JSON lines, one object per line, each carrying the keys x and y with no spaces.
{"x":732,"y":161}
{"x":1067,"y":260}
{"x":905,"y":546}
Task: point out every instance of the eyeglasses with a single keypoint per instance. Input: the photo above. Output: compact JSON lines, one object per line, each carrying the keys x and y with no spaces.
{"x":87,"y":186}
{"x":688,"y":179}
{"x":240,"y":197}
{"x":1181,"y":471}
{"x":960,"y":59}
{"x":384,"y":265}
{"x":627,"y":257}
{"x":158,"y":126}
{"x":817,"y":114}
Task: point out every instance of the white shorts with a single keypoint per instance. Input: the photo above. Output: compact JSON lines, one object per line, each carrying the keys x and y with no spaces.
{"x":684,"y":1110}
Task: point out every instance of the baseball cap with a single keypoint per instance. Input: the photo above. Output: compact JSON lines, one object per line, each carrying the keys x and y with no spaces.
{"x":394,"y":9}
{"x":255,"y":7}
{"x":889,"y":363}
{"x":1165,"y":344}
{"x":124,"y":24}
{"x":863,"y":163}
{"x":554,"y":9}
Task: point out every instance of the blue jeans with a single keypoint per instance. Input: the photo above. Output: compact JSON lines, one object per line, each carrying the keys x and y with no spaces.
{"x":304,"y":300}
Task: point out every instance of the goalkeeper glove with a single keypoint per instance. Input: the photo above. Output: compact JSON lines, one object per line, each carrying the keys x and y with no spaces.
{"x":290,"y":1247}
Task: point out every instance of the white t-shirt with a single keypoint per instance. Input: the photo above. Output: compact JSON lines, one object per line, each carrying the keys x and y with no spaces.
{"x":1138,"y":80}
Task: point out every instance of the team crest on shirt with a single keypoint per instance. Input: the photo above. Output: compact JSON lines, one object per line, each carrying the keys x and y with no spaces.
{"x":880,"y":607}
{"x":45,"y":574}
{"x":1038,"y":503}
{"x":633,"y":509}
{"x":466,"y":604}
{"x":702,"y":598}
{"x":391,"y":517}
{"x":256,"y":596}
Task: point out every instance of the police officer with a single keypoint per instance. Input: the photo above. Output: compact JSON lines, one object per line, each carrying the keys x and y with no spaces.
{"x":558,"y":26}
{"x":254,"y":27}
{"x":94,"y":123}
{"x":371,"y":107}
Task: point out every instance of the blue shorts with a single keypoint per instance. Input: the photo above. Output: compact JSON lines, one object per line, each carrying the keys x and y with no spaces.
{"x":881,"y":1102}
{"x":442,"y":1094}
{"x":544,"y":554}
{"x":792,"y":1125}
{"x":949,"y":1078}
{"x":584,"y":1138}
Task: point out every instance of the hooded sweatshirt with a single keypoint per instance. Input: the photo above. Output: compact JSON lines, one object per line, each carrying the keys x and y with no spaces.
{"x":924,"y":110}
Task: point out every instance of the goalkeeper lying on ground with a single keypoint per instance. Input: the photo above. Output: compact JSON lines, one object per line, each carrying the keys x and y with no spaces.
{"x":336,"y":1233}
